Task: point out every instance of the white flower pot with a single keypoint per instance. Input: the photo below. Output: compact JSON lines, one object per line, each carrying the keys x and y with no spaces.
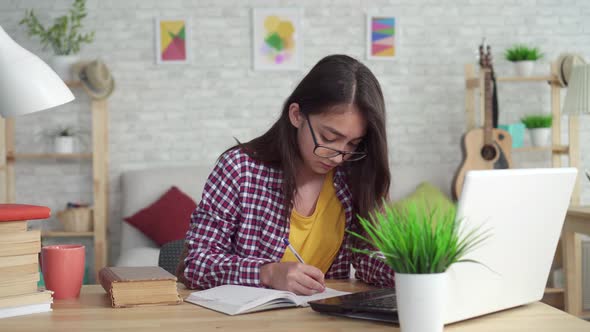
{"x":540,"y":136}
{"x":524,"y":68}
{"x":62,"y":65}
{"x":421,"y":300}
{"x":64,"y":144}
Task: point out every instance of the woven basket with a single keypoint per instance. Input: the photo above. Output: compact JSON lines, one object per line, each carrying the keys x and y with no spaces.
{"x":76,"y":219}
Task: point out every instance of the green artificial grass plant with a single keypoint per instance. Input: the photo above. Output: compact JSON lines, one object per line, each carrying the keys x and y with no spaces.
{"x":521,"y":52}
{"x":415,"y":240}
{"x":537,"y":121}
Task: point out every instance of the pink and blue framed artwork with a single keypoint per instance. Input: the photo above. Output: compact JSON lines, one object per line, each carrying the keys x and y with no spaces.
{"x":277,"y":40}
{"x":382,"y":36}
{"x":172,"y":42}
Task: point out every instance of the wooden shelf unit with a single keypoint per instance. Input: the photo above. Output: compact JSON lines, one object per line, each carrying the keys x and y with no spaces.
{"x":32,"y":156}
{"x":551,"y":290}
{"x":67,"y":234}
{"x":474,"y":85}
{"x":562,"y":149}
{"x":99,"y":158}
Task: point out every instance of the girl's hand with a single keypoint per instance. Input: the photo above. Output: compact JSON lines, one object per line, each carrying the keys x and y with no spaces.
{"x":295,"y":277}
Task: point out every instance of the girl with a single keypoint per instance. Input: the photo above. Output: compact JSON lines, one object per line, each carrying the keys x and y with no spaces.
{"x":305,"y":180}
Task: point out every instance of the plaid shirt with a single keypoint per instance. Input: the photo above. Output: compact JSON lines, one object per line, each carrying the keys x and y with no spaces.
{"x":239,"y":225}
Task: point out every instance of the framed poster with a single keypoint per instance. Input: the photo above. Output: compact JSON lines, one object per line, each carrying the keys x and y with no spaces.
{"x":277,"y":40}
{"x":172,"y":42}
{"x":382,"y":37}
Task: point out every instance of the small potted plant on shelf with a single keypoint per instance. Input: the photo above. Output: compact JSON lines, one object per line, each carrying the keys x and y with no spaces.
{"x":539,"y":126}
{"x":64,"y":140}
{"x":419,"y":242}
{"x":64,"y":37}
{"x":523,"y":57}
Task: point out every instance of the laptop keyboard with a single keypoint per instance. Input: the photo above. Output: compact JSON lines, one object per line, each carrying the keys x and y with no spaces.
{"x":382,"y":302}
{"x":377,"y":304}
{"x":381,"y":299}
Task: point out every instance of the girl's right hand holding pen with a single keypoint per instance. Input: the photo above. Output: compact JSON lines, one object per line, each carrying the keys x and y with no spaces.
{"x":295,"y":277}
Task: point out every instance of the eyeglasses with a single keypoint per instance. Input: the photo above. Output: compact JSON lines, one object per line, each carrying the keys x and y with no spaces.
{"x":327,"y":152}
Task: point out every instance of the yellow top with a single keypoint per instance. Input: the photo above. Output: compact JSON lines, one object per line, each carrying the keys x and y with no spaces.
{"x":317,"y":238}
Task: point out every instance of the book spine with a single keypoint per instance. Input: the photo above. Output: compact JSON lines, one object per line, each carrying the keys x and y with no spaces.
{"x":106,"y":277}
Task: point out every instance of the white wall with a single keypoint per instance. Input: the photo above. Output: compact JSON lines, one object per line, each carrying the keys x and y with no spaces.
{"x":176,"y":114}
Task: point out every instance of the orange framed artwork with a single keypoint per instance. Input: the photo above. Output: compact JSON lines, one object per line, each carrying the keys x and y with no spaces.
{"x":172,"y":41}
{"x":277,"y":39}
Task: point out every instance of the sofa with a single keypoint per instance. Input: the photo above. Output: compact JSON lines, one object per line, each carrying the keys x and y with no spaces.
{"x":140,"y":188}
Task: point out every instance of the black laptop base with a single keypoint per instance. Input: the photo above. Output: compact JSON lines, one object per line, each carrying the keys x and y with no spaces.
{"x":378,"y":305}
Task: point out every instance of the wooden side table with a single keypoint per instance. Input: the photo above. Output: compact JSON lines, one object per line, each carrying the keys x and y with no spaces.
{"x":577,"y":221}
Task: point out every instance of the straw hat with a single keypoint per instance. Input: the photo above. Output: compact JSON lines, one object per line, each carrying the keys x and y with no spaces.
{"x":95,"y":77}
{"x":565,"y":63}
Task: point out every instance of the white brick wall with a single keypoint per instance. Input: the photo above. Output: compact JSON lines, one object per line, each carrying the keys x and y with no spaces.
{"x":189,"y":113}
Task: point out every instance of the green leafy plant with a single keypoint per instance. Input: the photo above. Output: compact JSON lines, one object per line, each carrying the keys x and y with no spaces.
{"x":67,"y":131}
{"x":62,"y":131}
{"x":522,"y":52}
{"x":537,"y":121}
{"x":416,"y":240}
{"x":64,"y":35}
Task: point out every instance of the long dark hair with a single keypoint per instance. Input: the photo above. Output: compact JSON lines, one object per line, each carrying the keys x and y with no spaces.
{"x":334,"y":80}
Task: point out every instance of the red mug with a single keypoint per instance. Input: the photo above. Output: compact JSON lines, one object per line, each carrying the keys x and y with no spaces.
{"x":63,"y":269}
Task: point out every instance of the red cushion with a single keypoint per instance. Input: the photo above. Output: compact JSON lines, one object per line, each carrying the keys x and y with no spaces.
{"x":167,"y":219}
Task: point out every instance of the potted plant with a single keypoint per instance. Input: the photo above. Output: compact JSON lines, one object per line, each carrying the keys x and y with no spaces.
{"x":64,"y":140}
{"x":540,"y":128}
{"x":419,"y":243}
{"x":64,"y":37}
{"x":523,"y":58}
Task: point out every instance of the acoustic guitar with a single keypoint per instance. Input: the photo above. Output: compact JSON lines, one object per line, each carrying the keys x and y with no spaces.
{"x":487,"y":147}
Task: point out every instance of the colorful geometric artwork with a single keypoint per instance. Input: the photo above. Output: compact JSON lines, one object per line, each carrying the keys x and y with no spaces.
{"x":171,"y":41}
{"x":381,"y":37}
{"x":277,"y":39}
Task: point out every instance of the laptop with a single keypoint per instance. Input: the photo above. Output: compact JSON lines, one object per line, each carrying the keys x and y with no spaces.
{"x":524,"y":210}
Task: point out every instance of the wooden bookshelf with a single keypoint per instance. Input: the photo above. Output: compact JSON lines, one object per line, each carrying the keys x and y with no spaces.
{"x":31,"y":156}
{"x":551,"y":290}
{"x":474,"y":87}
{"x":74,"y":84}
{"x":99,"y":162}
{"x":562,"y":149}
{"x":548,"y":78}
{"x":67,"y":234}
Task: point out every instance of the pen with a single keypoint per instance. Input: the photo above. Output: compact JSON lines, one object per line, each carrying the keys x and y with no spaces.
{"x":288,"y":244}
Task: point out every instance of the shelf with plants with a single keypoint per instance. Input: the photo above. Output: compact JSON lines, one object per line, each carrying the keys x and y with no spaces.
{"x":99,"y":163}
{"x":556,"y":148}
{"x":59,"y":234}
{"x":30,"y":156}
{"x":64,"y":37}
{"x":548,"y":79}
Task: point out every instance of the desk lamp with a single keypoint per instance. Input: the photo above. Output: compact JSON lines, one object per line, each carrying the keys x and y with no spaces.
{"x":27,"y":85}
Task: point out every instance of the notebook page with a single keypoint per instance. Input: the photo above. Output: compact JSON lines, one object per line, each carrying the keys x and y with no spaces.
{"x":234,"y":299}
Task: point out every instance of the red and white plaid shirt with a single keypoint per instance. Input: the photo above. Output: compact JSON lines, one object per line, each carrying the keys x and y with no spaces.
{"x":239,"y":226}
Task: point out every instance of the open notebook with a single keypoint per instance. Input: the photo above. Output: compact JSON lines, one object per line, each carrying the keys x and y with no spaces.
{"x":235,"y":300}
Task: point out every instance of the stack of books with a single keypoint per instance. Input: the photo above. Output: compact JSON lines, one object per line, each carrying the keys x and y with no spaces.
{"x":139,"y":286}
{"x":19,"y":262}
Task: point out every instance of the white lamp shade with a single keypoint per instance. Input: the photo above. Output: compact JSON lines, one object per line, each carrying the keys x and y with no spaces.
{"x":577,"y":99}
{"x":27,"y":84}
